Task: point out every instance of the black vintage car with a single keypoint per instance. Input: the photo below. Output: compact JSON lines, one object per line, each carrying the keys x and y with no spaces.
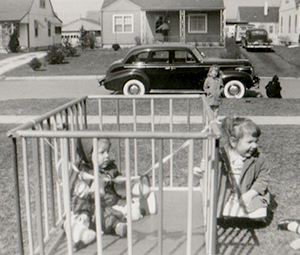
{"x":175,"y":67}
{"x":257,"y":38}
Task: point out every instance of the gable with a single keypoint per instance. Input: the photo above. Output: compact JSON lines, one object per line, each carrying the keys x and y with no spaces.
{"x":122,"y":5}
{"x":14,"y":10}
{"x":149,"y":5}
{"x":86,"y":23}
{"x":256,"y":14}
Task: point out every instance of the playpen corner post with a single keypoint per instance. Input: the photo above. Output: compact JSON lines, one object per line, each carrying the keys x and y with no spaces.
{"x":214,"y":197}
{"x":17,"y":194}
{"x":85,"y":113}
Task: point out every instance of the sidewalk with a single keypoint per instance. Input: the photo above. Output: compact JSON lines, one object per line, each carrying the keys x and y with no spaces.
{"x":14,"y":62}
{"x":260,"y":120}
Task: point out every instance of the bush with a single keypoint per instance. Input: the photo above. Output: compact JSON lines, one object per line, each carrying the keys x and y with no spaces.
{"x":116,"y":47}
{"x":138,"y":40}
{"x":13,"y":44}
{"x":83,"y":38}
{"x":232,"y":50}
{"x":35,"y":64}
{"x":92,"y":41}
{"x":55,"y":55}
{"x":69,"y":50}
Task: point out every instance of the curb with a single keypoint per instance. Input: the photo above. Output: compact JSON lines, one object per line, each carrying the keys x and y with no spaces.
{"x":45,"y":78}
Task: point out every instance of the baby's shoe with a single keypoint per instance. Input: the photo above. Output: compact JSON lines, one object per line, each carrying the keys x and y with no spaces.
{"x":121,"y":229}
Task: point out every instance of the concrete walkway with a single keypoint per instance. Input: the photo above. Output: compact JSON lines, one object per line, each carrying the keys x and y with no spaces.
{"x":260,"y":120}
{"x":16,"y":61}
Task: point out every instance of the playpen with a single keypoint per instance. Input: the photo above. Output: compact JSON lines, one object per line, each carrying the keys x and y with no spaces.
{"x":163,"y":136}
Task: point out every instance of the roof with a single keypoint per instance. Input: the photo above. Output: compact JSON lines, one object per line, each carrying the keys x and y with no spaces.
{"x":93,"y":15}
{"x":12,"y":10}
{"x":256,"y":14}
{"x":88,"y":24}
{"x":149,"y":5}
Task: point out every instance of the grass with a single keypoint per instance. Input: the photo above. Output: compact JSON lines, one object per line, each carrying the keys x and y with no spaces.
{"x":89,"y":62}
{"x":289,"y":54}
{"x":279,"y":143}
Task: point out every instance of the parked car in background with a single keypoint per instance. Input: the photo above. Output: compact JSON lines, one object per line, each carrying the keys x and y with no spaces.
{"x":240,"y":31}
{"x":257,"y":38}
{"x":178,"y":67}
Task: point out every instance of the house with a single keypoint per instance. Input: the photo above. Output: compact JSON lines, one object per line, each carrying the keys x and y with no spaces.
{"x":34,"y":22}
{"x":289,"y":17}
{"x":71,"y":30}
{"x":262,"y":17}
{"x":131,"y":22}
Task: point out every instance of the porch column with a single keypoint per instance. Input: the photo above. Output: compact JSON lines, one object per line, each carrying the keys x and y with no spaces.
{"x":222,"y":28}
{"x":143,"y":27}
{"x":182,"y":25}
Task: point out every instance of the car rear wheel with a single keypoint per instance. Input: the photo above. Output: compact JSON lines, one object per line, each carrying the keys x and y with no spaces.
{"x":134,"y":87}
{"x":234,"y":89}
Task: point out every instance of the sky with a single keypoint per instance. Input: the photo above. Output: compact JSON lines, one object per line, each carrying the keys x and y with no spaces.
{"x":232,"y":5}
{"x":69,"y":10}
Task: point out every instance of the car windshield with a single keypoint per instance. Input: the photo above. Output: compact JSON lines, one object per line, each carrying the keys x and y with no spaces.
{"x":258,"y":32}
{"x":198,"y":54}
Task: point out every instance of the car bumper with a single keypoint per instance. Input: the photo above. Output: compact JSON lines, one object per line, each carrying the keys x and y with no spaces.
{"x":256,"y":81}
{"x":259,"y":46}
{"x":101,"y":81}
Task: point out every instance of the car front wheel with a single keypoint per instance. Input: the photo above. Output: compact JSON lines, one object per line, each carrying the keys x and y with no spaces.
{"x":134,"y":87}
{"x":234,"y":89}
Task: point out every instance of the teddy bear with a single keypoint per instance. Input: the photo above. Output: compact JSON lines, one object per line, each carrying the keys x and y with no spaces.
{"x":81,"y":234}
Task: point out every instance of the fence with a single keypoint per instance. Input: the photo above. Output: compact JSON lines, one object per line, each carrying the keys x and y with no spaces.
{"x":143,"y":129}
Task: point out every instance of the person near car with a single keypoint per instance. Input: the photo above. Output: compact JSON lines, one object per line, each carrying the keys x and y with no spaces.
{"x":164,"y":27}
{"x":273,"y":88}
{"x":213,"y":86}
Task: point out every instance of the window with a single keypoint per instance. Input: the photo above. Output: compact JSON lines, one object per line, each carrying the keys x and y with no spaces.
{"x":197,"y":23}
{"x":123,"y":23}
{"x":158,"y":24}
{"x":36,"y":28}
{"x":296,"y":23}
{"x":281,"y":25}
{"x":271,"y":29}
{"x":42,"y":3}
{"x":57,"y":30}
{"x":183,"y":57}
{"x":290,"y":21}
{"x":49,"y":28}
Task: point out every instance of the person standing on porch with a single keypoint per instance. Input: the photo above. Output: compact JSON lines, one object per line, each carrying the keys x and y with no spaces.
{"x":164,"y":27}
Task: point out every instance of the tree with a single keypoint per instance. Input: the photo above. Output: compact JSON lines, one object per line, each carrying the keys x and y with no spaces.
{"x":83,"y":38}
{"x":13,"y":44}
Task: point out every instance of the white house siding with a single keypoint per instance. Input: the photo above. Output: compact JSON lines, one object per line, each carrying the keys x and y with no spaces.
{"x":23,"y":39}
{"x":287,"y":21}
{"x":42,"y":15}
{"x":123,"y":7}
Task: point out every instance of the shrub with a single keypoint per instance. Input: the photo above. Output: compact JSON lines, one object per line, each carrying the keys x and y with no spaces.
{"x":55,"y":55}
{"x":138,"y":40}
{"x":92,"y":41}
{"x":35,"y":64}
{"x":13,"y":44}
{"x":83,"y":38}
{"x":69,"y":50}
{"x":232,"y":50}
{"x":116,"y":47}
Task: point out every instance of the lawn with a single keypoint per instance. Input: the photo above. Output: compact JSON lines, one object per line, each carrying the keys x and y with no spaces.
{"x":279,"y":143}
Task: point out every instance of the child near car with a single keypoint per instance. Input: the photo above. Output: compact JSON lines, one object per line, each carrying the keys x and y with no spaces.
{"x":213,"y":86}
{"x":273,"y":88}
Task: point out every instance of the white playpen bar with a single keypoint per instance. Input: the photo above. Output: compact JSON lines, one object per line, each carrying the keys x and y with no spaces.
{"x":101,"y":99}
{"x":72,"y":116}
{"x":65,"y":136}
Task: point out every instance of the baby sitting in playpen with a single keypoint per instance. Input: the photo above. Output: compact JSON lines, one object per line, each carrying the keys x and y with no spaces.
{"x":113,"y":203}
{"x":243,"y":174}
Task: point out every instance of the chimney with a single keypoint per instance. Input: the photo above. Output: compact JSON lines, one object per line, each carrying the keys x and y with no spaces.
{"x":266,"y":8}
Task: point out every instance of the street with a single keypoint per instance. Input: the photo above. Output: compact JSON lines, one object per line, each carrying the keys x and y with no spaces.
{"x":30,"y":89}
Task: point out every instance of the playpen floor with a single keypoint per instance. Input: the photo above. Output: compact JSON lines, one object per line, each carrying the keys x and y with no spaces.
{"x":145,"y":231}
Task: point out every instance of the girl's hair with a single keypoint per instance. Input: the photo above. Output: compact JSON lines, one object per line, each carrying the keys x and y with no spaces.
{"x":213,"y":67}
{"x":237,"y":127}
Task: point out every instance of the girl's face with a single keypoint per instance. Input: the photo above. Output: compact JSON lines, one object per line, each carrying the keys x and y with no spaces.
{"x":214,"y":73}
{"x":246,"y":146}
{"x":103,"y":154}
